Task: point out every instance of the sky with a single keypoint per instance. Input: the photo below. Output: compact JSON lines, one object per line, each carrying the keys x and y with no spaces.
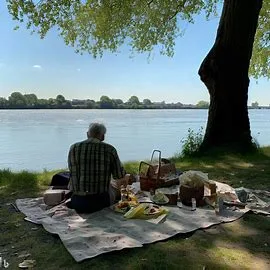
{"x":48,"y":67}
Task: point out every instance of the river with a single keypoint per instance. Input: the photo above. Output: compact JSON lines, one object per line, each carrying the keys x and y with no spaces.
{"x":40,"y":139}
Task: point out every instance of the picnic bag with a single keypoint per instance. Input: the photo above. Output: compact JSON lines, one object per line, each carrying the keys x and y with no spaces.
{"x":60,"y":180}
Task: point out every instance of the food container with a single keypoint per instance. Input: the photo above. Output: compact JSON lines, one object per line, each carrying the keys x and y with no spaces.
{"x":210,"y":187}
{"x":53,"y":197}
{"x":187,"y":193}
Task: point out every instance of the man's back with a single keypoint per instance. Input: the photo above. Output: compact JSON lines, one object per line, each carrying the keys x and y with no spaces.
{"x":91,"y":164}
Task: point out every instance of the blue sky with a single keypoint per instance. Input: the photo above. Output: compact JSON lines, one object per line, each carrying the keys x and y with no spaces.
{"x":48,"y":68}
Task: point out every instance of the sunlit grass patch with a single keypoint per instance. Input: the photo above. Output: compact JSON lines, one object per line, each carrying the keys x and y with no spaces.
{"x":231,"y":257}
{"x":5,"y":175}
{"x":243,"y":164}
{"x":45,"y":177}
{"x":207,"y":166}
{"x":18,"y":180}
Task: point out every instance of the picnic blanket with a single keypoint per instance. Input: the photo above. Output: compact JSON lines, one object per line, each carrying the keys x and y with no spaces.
{"x":88,"y":235}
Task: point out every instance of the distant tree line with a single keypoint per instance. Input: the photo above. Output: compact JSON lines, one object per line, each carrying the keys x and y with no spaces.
{"x":18,"y":100}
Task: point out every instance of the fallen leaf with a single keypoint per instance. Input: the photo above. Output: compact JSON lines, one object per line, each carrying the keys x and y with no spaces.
{"x":27,"y":264}
{"x":25,"y":255}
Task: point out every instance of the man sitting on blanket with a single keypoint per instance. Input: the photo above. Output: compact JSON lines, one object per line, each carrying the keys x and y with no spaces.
{"x":92,"y":163}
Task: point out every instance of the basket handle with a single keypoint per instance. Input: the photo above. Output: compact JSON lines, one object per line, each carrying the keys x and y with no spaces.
{"x":151,"y":166}
{"x":142,"y":162}
{"x":159,"y":156}
{"x":159,"y":162}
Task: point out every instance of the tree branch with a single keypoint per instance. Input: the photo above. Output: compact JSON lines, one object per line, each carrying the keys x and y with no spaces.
{"x":178,"y":9}
{"x":149,"y":3}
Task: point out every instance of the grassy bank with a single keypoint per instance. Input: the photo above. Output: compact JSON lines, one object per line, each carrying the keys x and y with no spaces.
{"x":243,"y":244}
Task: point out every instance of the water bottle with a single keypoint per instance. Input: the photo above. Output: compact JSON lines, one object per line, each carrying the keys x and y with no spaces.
{"x":193,"y":202}
{"x":219,"y":205}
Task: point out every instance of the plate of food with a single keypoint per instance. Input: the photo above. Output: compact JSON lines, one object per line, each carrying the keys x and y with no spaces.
{"x":152,"y":209}
{"x":124,"y":206}
{"x":160,"y":198}
{"x":121,"y":207}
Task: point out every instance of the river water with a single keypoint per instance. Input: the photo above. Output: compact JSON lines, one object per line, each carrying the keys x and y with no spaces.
{"x":40,"y":139}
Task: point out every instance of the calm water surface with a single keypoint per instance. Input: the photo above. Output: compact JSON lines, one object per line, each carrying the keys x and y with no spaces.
{"x":38,"y":139}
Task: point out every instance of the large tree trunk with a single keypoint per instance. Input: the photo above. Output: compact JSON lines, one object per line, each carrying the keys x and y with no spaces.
{"x":225,"y":73}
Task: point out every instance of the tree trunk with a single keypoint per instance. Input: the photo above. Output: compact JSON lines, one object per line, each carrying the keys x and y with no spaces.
{"x":225,"y":73}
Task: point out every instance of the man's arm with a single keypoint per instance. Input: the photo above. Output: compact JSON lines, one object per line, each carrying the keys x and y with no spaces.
{"x":72,"y":167}
{"x":118,"y":171}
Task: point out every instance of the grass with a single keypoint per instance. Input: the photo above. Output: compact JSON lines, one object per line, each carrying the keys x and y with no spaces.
{"x":243,"y":244}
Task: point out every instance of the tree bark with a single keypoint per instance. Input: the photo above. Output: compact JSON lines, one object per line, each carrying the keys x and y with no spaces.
{"x":225,"y":74}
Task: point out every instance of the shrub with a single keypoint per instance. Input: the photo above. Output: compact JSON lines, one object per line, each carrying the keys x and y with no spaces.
{"x":192,"y":143}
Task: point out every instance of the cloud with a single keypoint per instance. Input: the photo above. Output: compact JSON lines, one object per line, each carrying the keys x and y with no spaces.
{"x":37,"y":66}
{"x":78,"y":69}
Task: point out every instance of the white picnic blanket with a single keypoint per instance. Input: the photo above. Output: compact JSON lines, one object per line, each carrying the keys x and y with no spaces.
{"x":88,"y":235}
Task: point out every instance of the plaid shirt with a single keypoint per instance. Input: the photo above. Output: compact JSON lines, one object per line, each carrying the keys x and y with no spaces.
{"x":91,"y":164}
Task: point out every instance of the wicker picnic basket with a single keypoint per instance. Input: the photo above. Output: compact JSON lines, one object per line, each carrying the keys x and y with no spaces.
{"x":156,"y":175}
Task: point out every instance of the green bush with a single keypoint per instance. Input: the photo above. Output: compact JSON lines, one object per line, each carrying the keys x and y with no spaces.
{"x":192,"y":143}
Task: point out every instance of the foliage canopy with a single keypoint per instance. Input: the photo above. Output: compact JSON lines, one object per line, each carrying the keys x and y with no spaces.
{"x":94,"y":26}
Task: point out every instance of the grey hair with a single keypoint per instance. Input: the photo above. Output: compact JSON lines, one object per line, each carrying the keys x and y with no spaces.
{"x":96,"y":130}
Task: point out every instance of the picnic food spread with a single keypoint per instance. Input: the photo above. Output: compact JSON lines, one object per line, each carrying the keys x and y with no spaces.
{"x":195,"y":189}
{"x":146,"y":211}
{"x":130,"y":206}
{"x":128,"y":200}
{"x":144,"y":205}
